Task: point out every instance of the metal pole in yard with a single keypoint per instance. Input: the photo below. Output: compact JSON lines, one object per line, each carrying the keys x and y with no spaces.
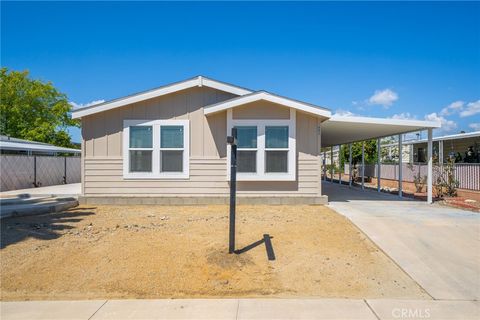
{"x":232,"y":140}
{"x":350,"y":164}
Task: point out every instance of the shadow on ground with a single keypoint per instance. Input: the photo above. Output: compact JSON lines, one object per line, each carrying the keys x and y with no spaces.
{"x":344,"y":193}
{"x":43,"y":227}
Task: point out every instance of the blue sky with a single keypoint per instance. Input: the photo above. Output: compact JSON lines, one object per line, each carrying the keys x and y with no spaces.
{"x":407,"y":60}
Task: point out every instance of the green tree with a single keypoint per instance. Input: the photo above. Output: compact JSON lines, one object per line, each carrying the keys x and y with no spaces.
{"x":370,"y":153}
{"x":34,"y":110}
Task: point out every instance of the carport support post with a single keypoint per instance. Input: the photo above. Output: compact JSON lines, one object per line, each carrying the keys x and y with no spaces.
{"x":363,"y":165}
{"x":350,"y":164}
{"x":331,"y":164}
{"x":430,"y":164}
{"x":379,"y":165}
{"x":400,"y":165}
{"x":440,"y":152}
{"x":339,"y":166}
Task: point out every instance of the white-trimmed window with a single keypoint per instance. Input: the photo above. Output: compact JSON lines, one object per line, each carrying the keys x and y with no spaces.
{"x":156,"y":149}
{"x":246,"y":149}
{"x":276,"y":149}
{"x":265,"y":149}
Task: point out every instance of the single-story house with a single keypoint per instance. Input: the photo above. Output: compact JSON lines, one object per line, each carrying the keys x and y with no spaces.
{"x":168,"y":145}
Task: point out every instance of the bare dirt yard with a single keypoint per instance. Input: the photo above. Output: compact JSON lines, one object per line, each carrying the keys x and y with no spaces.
{"x":178,"y":252}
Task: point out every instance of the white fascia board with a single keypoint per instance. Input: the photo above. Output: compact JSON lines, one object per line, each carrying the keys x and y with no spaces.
{"x":197,"y":81}
{"x":267,"y":97}
{"x":387,"y":121}
{"x":223,"y":86}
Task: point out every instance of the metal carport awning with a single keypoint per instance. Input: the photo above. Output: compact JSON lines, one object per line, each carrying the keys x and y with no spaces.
{"x":340,"y":130}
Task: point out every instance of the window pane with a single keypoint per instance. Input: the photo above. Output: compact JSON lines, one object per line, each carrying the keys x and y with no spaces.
{"x":140,"y":161}
{"x":246,"y":137}
{"x":276,"y":161}
{"x":141,"y":137}
{"x":172,"y":161}
{"x":276,"y":137}
{"x":247,"y":161}
{"x":171,"y":136}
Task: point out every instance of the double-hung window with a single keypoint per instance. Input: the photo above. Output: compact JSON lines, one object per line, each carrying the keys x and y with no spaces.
{"x":276,"y":149}
{"x":265,"y":149}
{"x":157,"y":149}
{"x":140,"y":148}
{"x":247,"y":149}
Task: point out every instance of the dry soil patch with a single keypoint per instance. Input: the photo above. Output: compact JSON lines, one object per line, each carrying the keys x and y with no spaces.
{"x":161,"y":251}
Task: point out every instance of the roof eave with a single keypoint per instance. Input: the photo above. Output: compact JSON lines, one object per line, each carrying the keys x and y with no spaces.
{"x":388,"y":121}
{"x":262,"y":95}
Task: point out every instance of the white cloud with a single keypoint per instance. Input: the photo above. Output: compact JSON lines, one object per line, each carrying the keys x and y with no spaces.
{"x":447,"y":125}
{"x":452,"y":108}
{"x":471,"y":109}
{"x":83,"y":105}
{"x":354,"y":102}
{"x":384,"y":97}
{"x":344,"y":113}
{"x":404,"y":116}
{"x":475,"y":126}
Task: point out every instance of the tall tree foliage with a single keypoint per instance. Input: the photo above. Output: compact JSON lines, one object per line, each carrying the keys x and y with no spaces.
{"x":370,"y":152}
{"x":33,"y":110}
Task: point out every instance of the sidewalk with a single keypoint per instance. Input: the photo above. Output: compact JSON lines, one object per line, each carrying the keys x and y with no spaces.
{"x":241,"y":309}
{"x":71,"y":189}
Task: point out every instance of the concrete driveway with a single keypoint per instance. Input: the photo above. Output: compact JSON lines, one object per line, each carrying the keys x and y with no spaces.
{"x":437,"y":246}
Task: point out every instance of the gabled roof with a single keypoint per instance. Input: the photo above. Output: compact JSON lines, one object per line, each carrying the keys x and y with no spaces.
{"x":198,"y":81}
{"x":266,"y":96}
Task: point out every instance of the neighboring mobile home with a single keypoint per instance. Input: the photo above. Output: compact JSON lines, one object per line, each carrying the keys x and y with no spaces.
{"x":168,"y":146}
{"x":462,"y":147}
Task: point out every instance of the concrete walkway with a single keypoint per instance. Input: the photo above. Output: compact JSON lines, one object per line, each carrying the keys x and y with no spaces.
{"x":439,"y":247}
{"x":343,"y":309}
{"x":71,"y":189}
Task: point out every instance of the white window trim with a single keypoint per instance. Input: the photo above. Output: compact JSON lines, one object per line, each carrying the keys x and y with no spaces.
{"x":261,"y":175}
{"x":156,"y":174}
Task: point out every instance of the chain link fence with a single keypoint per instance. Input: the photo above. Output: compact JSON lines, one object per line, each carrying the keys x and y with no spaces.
{"x":22,"y":171}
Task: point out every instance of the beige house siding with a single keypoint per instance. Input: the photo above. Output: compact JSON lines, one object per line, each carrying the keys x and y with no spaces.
{"x":261,"y":110}
{"x":102,"y":149}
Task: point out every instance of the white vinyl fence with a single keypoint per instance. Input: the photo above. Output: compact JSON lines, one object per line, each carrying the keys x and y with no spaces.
{"x":467,"y":174}
{"x":22,"y":172}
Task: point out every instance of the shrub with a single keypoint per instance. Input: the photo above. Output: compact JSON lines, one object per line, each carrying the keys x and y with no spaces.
{"x":445,"y":183}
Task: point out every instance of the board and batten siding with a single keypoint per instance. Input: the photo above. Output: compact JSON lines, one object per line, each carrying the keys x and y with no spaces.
{"x":102,"y":164}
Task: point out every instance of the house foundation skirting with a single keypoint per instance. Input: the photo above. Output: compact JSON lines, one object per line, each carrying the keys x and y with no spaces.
{"x":180,"y":201}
